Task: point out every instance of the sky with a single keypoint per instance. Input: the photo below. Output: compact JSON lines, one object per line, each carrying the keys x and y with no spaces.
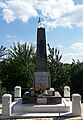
{"x":62,"y":20}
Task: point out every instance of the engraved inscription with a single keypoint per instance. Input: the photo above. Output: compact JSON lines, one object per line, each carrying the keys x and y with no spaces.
{"x":41,"y":78}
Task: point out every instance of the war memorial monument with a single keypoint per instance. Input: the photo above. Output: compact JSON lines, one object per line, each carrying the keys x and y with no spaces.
{"x":49,"y":102}
{"x":42,"y":76}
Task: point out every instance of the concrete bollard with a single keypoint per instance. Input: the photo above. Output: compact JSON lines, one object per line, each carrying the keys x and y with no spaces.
{"x":17,"y":92}
{"x":76,"y":104}
{"x":6,"y":104}
{"x":67,"y":92}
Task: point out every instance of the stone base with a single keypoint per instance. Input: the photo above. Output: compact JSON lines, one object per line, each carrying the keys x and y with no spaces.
{"x":56,"y":99}
{"x":27,"y":109}
{"x":42,"y":78}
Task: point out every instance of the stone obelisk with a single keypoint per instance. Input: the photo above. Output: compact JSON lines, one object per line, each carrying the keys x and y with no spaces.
{"x":42,"y":74}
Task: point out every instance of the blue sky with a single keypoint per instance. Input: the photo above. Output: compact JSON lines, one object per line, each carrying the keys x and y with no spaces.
{"x":62,"y":19}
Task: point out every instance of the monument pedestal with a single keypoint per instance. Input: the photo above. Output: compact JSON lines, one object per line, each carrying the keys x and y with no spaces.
{"x":42,"y":78}
{"x":56,"y":99}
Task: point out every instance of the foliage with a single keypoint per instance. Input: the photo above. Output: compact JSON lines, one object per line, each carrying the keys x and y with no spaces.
{"x":77,"y":78}
{"x":59,"y":72}
{"x":18,"y":69}
{"x":67,"y":69}
{"x":54,"y":54}
{"x":17,"y":66}
{"x":3,"y":52}
{"x":55,"y":67}
{"x":2,"y":91}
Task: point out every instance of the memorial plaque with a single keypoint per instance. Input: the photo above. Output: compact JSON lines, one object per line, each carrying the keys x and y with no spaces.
{"x":42,"y":78}
{"x":41,"y":100}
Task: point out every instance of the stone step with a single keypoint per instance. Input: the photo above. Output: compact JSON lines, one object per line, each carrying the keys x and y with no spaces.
{"x":40,"y":115}
{"x":18,"y":107}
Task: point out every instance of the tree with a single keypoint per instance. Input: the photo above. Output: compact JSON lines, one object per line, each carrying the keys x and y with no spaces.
{"x":55,"y":67}
{"x":54,"y":54}
{"x":66,"y":69}
{"x":77,"y":78}
{"x":19,"y":68}
{"x":60,"y":73}
{"x":3,"y":52}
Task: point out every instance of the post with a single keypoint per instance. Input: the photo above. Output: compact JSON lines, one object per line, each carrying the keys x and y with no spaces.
{"x":67,"y":92}
{"x":17,"y":92}
{"x":6,"y":104}
{"x":76,"y":104}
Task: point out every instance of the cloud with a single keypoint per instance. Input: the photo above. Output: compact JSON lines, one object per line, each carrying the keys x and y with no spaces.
{"x":62,"y":13}
{"x":13,"y":39}
{"x":18,"y":9}
{"x":77,"y":53}
{"x":53,"y":9}
{"x":59,"y":46}
{"x":67,"y":57}
{"x":2,"y":5}
{"x":54,"y":13}
{"x":77,"y":47}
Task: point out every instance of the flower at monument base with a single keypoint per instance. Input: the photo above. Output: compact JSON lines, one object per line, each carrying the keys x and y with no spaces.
{"x":39,"y":89}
